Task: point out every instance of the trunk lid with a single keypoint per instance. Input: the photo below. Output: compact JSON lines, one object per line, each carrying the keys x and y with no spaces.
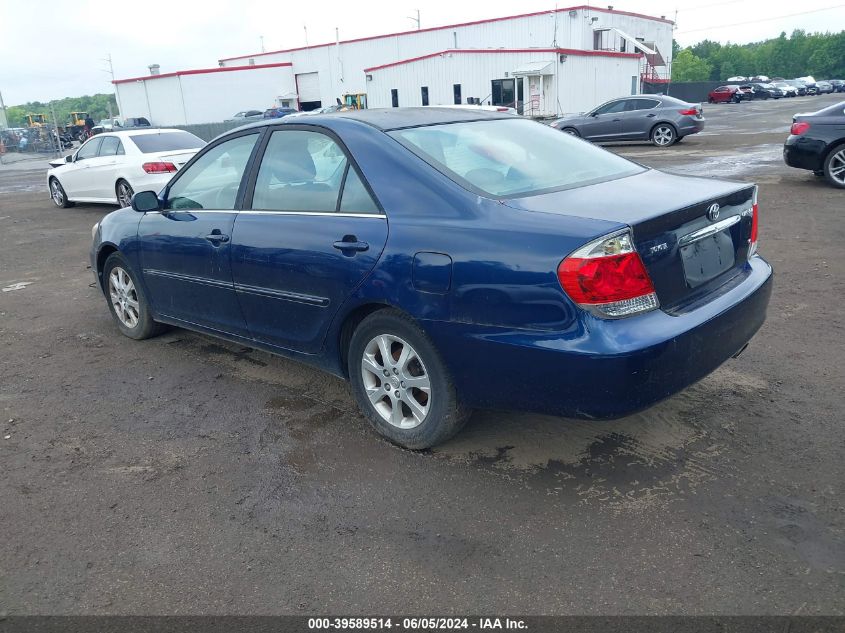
{"x":688,"y":253}
{"x":177,"y":157}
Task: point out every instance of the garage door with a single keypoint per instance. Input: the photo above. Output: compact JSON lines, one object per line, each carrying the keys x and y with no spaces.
{"x":308,"y":86}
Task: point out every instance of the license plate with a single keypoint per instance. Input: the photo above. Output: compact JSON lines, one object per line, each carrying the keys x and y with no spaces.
{"x":708,"y":258}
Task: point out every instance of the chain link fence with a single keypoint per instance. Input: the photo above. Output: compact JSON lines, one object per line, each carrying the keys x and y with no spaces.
{"x":32,"y":143}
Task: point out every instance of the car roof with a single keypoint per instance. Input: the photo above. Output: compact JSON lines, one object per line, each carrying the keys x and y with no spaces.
{"x":387,"y":119}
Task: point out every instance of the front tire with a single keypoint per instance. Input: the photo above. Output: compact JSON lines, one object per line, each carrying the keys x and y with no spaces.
{"x":663,"y":135}
{"x":123,"y":190}
{"x":58,"y":195}
{"x":400,"y":382}
{"x":571,"y":131}
{"x":127,"y":302}
{"x":834,"y":166}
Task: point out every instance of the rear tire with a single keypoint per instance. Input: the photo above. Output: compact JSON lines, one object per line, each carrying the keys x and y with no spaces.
{"x":387,"y":353}
{"x":58,"y":195}
{"x":663,"y":135}
{"x":126,"y":300}
{"x":834,"y":166}
{"x":124,"y":192}
{"x":571,"y":131}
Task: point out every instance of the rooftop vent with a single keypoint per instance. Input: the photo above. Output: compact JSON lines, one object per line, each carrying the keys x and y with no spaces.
{"x":155,"y":69}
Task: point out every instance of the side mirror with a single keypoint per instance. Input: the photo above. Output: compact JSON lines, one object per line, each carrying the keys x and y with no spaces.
{"x":145,"y":201}
{"x":69,"y":158}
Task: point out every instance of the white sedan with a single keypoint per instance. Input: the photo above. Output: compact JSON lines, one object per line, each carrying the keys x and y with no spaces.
{"x":111,"y":167}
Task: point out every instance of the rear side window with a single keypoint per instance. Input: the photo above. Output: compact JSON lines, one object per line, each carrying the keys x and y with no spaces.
{"x":166,"y":142}
{"x":111,"y":146}
{"x":307,"y":171}
{"x":511,"y":158}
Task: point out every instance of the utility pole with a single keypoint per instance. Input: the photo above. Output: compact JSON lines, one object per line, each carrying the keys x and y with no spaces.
{"x":305,"y":28}
{"x":261,"y":37}
{"x":55,"y":141}
{"x":4,"y":120}
{"x":416,"y":19}
{"x":110,"y":71}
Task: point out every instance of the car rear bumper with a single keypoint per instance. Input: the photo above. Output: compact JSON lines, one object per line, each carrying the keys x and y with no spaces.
{"x":690,"y":126}
{"x":604,"y":368}
{"x":803,"y":152}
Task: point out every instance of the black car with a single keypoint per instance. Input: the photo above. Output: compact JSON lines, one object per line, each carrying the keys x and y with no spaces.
{"x":767,"y":91}
{"x":817,"y":142}
{"x":838,"y":85}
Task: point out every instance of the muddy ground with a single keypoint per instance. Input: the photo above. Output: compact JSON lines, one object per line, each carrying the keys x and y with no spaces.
{"x":186,"y":475}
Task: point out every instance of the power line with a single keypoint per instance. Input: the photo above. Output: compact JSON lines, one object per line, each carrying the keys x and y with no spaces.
{"x":777,"y":17}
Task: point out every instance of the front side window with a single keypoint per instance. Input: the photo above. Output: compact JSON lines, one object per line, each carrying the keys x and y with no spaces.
{"x":511,"y":158}
{"x":212,"y":182}
{"x":306,"y":171}
{"x":90,"y":149}
{"x":613,"y":106}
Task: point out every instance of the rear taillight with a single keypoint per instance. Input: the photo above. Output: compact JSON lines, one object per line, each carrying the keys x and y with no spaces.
{"x":752,"y":241}
{"x":688,"y":112}
{"x":799,"y":128}
{"x":607,"y":277}
{"x":159,"y":168}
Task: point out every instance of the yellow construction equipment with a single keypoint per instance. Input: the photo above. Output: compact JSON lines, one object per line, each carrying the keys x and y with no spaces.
{"x":36,"y":120}
{"x":357,"y":101}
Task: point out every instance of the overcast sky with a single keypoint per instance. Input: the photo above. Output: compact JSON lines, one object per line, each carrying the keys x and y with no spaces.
{"x":57,"y":49}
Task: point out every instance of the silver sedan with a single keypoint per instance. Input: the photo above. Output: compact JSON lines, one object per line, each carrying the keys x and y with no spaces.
{"x":657,"y":118}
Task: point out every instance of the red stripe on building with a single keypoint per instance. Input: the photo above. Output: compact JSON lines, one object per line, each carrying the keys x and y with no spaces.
{"x":201,"y":71}
{"x":472,"y":51}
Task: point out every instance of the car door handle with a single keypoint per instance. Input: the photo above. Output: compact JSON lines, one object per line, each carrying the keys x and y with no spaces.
{"x":351,"y":243}
{"x":616,"y":120}
{"x":651,"y":115}
{"x":217,"y":238}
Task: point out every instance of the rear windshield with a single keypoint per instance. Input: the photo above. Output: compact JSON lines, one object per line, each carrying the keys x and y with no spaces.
{"x":512,"y":158}
{"x":166,"y":141}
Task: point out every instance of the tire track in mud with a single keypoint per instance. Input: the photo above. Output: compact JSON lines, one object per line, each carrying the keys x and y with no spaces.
{"x":643,"y":461}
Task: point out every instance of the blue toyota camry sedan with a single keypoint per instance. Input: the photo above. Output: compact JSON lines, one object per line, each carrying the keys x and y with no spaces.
{"x":443,"y":260}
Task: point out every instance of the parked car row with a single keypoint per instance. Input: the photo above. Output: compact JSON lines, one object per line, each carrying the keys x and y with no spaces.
{"x":778,"y":88}
{"x":661,"y":119}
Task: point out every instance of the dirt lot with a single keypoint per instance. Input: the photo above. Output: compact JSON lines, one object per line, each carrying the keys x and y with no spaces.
{"x":186,"y":475}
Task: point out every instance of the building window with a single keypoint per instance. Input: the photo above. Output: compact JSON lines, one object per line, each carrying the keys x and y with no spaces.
{"x":252,"y":61}
{"x":502,"y":93}
{"x":601,"y":40}
{"x":394,"y":98}
{"x":456,"y":89}
{"x":424,"y":94}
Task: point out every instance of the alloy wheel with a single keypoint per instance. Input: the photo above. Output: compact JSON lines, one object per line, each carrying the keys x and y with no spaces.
{"x":124,"y":297}
{"x":663,"y":136}
{"x":57,"y":193}
{"x":396,"y":381}
{"x":836,"y":167}
{"x":124,"y":194}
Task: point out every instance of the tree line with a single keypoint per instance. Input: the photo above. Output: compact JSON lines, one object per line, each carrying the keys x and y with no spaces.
{"x":821,"y":55}
{"x":97,"y":106}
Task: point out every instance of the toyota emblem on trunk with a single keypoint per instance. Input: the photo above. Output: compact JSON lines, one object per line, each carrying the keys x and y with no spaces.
{"x":713,"y":212}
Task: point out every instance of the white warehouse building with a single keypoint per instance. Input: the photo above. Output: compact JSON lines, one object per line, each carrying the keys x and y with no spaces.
{"x":542,"y":63}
